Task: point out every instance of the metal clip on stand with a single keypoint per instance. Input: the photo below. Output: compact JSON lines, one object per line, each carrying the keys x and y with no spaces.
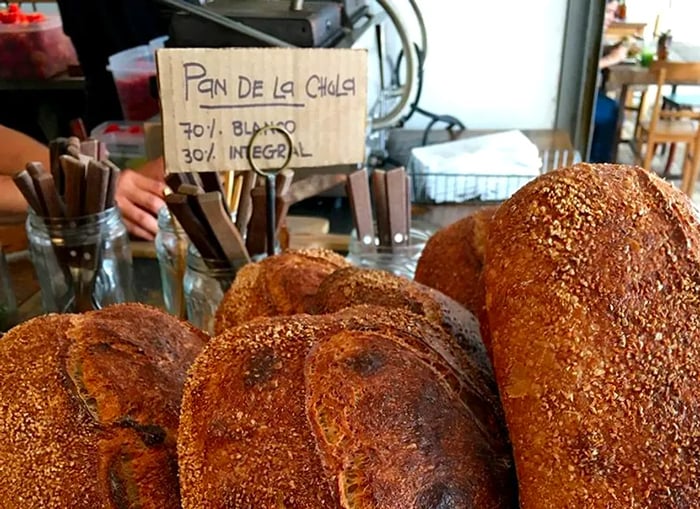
{"x":270,"y":176}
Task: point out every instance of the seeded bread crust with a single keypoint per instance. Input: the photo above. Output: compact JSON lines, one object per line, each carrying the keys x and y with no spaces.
{"x":593,"y":298}
{"x":373,"y":416}
{"x":277,"y":286}
{"x":452,"y":262}
{"x":352,"y":286}
{"x":90,"y":408}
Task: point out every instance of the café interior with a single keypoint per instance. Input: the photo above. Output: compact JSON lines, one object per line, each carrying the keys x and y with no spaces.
{"x":472,"y":103}
{"x":349,"y":254}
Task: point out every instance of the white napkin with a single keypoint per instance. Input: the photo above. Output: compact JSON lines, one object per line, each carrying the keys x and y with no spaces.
{"x":490,"y":167}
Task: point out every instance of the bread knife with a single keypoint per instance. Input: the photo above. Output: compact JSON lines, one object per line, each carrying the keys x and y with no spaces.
{"x":396,"y":204}
{"x":179,"y":206}
{"x":380,"y":206}
{"x":96,"y":183}
{"x":74,"y":174}
{"x":255,"y":240}
{"x":111,"y":184}
{"x":47,"y":194}
{"x":223,"y":230}
{"x":361,"y":206}
{"x":245,"y":206}
{"x":25,"y":184}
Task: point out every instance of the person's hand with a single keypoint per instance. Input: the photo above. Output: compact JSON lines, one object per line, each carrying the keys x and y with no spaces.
{"x":140,"y":196}
{"x":618,"y":54}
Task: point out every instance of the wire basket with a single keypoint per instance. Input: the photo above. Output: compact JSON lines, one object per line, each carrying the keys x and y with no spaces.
{"x":434,"y":187}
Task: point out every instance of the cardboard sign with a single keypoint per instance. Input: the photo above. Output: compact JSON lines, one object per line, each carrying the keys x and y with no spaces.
{"x":214,"y":100}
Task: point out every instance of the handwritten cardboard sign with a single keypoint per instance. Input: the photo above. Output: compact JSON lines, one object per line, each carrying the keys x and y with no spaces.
{"x":214,"y":100}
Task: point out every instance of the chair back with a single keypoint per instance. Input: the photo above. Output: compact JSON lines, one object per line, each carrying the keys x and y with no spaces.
{"x":673,"y":73}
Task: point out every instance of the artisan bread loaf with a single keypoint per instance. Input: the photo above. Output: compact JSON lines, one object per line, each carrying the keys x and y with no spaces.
{"x":593,"y":298}
{"x":279,"y":285}
{"x":353,"y":286}
{"x":359,"y":409}
{"x":452,"y":262}
{"x":90,"y":409}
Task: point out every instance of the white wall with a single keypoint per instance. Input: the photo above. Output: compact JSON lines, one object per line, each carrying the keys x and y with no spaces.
{"x":682,"y":17}
{"x":493,"y":64}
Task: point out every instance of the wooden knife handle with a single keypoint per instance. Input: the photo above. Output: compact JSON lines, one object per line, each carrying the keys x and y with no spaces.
{"x":223,"y":230}
{"x":74,"y":174}
{"x":96,"y":183}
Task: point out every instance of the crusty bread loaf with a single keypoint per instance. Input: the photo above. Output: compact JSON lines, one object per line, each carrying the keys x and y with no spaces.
{"x":354,"y":410}
{"x":353,"y":286}
{"x":279,"y":285}
{"x":593,"y":297}
{"x":452,"y":263}
{"x":90,"y":409}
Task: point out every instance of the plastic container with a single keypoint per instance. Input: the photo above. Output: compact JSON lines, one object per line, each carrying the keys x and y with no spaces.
{"x":158,"y":43}
{"x":125,"y":142}
{"x":35,"y":50}
{"x":132,"y":70}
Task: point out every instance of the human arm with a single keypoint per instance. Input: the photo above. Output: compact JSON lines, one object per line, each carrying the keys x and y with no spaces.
{"x":17,"y":150}
{"x":139,"y":193}
{"x":614,"y":56}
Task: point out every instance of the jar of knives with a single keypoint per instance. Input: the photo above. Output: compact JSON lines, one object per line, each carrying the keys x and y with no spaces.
{"x":171,"y":250}
{"x":400,"y":259}
{"x":82,"y":263}
{"x":205,"y":283}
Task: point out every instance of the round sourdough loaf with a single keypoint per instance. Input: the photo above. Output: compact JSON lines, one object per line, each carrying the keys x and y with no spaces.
{"x":453,"y":261}
{"x":366,"y":408}
{"x":90,"y":409}
{"x":279,"y":285}
{"x":353,"y":286}
{"x":593,"y":298}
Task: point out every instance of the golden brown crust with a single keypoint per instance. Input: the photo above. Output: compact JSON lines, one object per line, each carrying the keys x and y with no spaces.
{"x":90,"y":409}
{"x":277,"y":286}
{"x":352,"y":286}
{"x":238,"y":449}
{"x":244,"y":441}
{"x":593,"y":278}
{"x":452,"y":263}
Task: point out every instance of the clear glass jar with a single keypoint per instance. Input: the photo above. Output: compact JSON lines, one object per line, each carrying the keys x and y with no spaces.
{"x":171,"y":250}
{"x":399,"y":260}
{"x":8,"y":302}
{"x":82,"y":263}
{"x":205,"y":283}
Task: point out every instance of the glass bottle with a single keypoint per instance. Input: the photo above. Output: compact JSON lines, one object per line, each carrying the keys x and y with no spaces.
{"x":171,"y":251}
{"x":82,"y":263}
{"x":663,"y":45}
{"x":621,"y":13}
{"x":205,"y":283}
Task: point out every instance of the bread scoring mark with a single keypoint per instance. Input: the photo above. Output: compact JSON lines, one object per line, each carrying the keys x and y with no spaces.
{"x":150,"y":434}
{"x":123,"y":491}
{"x":366,"y":362}
{"x":441,"y":496}
{"x":261,"y":368}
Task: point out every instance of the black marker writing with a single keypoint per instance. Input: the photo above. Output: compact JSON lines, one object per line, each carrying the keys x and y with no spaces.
{"x":195,"y":76}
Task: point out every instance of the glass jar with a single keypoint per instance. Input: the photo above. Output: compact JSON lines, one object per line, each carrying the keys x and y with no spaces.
{"x":82,"y":263}
{"x":205,"y":283}
{"x":400,"y":260}
{"x":171,"y":250}
{"x":8,"y":302}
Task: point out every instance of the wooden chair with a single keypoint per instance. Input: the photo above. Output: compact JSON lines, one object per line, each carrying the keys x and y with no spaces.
{"x":678,"y":101}
{"x":671,"y":125}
